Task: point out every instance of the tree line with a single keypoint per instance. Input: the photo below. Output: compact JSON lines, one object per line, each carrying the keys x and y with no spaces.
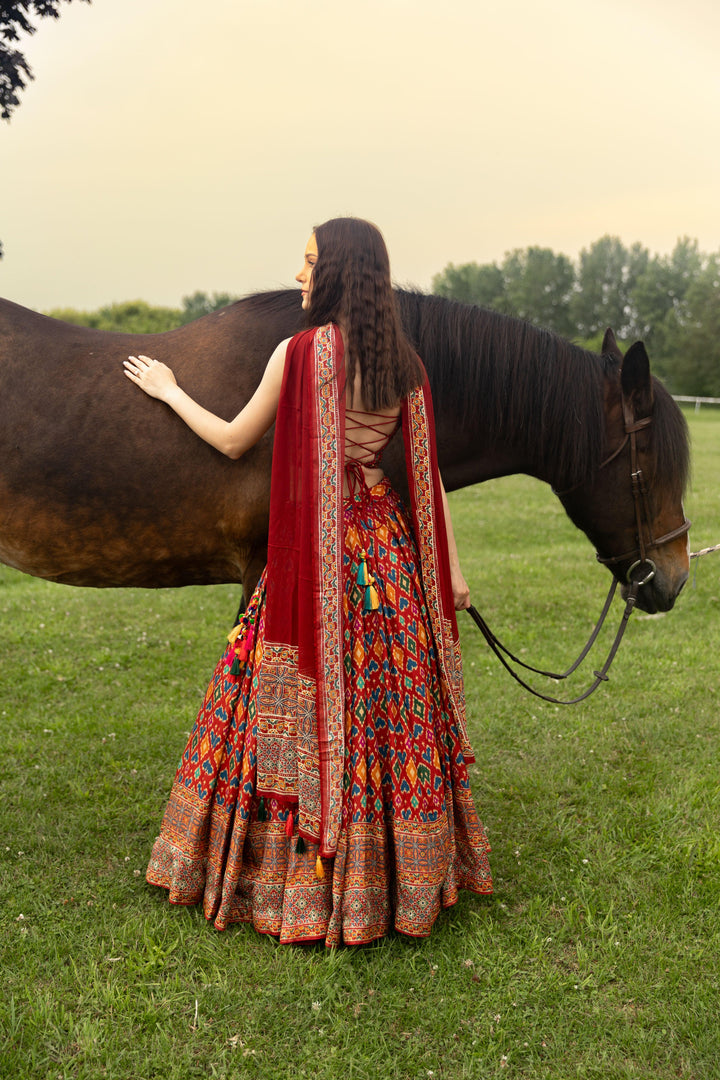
{"x":139,"y":317}
{"x":671,"y":302}
{"x":668,"y":301}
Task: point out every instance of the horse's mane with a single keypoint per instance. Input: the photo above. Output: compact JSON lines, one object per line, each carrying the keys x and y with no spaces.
{"x":531,"y":385}
{"x":528,"y":384}
{"x":273,"y":302}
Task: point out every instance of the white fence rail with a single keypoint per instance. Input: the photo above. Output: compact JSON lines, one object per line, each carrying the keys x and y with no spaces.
{"x":698,"y":401}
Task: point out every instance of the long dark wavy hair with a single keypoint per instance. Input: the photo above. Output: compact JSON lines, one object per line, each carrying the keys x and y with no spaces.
{"x":351,"y":285}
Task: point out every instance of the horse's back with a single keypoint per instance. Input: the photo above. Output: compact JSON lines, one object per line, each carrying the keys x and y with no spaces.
{"x":100,"y":485}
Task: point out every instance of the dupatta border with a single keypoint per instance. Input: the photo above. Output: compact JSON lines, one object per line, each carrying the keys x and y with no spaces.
{"x":328,"y":615}
{"x":431,"y":540}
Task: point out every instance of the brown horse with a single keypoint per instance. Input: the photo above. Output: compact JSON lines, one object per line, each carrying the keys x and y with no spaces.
{"x":102,"y":486}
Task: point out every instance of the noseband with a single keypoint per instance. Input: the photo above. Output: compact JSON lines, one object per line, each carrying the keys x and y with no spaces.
{"x":642,"y":569}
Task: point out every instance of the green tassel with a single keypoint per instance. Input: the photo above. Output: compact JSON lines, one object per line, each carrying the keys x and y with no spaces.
{"x":262,"y":812}
{"x":300,"y":847}
{"x":235,"y":668}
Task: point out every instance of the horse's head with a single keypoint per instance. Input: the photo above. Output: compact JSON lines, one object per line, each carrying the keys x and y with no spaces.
{"x":631,"y":508}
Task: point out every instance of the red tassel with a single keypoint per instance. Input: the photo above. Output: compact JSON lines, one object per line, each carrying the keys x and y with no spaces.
{"x":289,"y":824}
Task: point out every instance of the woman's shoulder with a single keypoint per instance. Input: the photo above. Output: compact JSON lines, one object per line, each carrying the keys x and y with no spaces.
{"x":312,"y":334}
{"x":308,"y":334}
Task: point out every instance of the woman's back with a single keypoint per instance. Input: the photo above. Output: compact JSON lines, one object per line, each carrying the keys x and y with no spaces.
{"x":367,"y":434}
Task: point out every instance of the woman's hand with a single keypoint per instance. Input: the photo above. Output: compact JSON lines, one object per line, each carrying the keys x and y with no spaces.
{"x":461,"y":590}
{"x":155,"y":378}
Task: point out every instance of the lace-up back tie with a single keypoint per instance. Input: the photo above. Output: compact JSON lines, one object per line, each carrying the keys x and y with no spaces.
{"x":371,"y":448}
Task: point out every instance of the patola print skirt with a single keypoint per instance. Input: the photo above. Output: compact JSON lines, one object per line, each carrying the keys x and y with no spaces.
{"x":410,"y":835}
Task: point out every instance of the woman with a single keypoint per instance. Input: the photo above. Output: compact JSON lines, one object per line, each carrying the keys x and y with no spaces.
{"x":323,"y":794}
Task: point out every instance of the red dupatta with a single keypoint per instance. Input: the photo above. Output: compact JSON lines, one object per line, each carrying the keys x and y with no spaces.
{"x":301,"y":699}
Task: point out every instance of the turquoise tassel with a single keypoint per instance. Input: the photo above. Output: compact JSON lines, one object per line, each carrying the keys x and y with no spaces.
{"x":363,"y":578}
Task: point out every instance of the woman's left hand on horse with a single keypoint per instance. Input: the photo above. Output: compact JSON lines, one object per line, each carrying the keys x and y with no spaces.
{"x":152,"y":376}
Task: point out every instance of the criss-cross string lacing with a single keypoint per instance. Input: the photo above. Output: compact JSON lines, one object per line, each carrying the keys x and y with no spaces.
{"x":372,"y":447}
{"x":383,"y":429}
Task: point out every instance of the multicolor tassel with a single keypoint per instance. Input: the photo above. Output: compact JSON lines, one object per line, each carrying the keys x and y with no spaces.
{"x":243,"y":647}
{"x":366,"y":581}
{"x":319,"y":868}
{"x":371,"y":602}
{"x":247,"y":642}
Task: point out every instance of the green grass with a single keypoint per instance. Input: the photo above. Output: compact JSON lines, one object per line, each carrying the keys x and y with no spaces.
{"x":598,"y":956}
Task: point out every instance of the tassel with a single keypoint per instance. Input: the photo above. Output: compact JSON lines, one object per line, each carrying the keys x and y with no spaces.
{"x":300,"y":847}
{"x":289,"y":824}
{"x":363,"y":578}
{"x":235,"y":668}
{"x":247,"y":643}
{"x":262,"y":812}
{"x":319,"y":868}
{"x":372,"y":601}
{"x":232,"y":636}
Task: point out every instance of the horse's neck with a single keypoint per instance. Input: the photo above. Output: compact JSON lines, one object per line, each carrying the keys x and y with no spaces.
{"x":469,"y":454}
{"x":472,"y":450}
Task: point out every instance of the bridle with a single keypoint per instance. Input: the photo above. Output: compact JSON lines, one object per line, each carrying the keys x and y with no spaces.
{"x":646,"y":541}
{"x":640,"y":572}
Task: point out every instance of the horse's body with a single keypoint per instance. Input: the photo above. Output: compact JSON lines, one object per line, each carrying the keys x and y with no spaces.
{"x":102,"y":486}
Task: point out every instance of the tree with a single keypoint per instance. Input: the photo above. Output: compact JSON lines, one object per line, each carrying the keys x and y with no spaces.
{"x":693,"y":336}
{"x":538,"y":286}
{"x":606,"y":277}
{"x":471,"y":283}
{"x":131,"y":317}
{"x":15,"y":71}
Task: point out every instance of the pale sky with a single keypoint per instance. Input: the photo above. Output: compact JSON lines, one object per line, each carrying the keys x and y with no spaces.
{"x":168,"y":146}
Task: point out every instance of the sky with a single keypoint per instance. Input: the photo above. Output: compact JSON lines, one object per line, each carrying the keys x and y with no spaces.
{"x":167,"y":147}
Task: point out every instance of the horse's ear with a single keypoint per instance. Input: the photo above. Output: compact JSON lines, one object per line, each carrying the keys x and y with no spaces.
{"x":635,"y":378}
{"x":610,"y":345}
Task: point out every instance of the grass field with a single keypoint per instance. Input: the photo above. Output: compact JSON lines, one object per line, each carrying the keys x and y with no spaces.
{"x":598,"y":956}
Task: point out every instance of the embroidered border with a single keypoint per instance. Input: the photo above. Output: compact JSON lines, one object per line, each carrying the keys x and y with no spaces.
{"x":330,"y":696}
{"x":427,"y":541}
{"x":277,"y":699}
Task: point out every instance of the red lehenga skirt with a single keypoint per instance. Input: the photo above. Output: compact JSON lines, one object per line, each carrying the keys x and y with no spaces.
{"x":410,"y":835}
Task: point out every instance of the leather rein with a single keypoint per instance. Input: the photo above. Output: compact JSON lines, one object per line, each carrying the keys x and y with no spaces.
{"x":639,"y":573}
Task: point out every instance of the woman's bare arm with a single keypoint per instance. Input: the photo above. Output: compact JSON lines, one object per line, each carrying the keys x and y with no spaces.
{"x":460,"y":588}
{"x":231,"y":437}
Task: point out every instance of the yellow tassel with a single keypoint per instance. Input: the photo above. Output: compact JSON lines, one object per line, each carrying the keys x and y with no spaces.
{"x":232,"y":636}
{"x":371,"y":602}
{"x":319,"y":868}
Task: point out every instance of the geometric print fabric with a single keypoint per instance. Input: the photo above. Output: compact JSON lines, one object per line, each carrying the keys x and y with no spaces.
{"x":410,"y":836}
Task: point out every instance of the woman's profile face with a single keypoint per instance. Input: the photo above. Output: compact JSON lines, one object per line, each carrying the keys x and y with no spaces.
{"x":304,"y":277}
